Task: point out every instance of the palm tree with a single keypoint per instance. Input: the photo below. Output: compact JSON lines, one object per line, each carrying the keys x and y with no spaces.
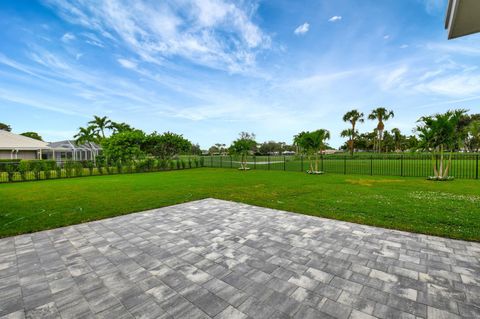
{"x":319,"y":138}
{"x":348,"y":134}
{"x":117,"y":127}
{"x":100,"y":124}
{"x":474,"y":135}
{"x":380,"y":114}
{"x":85,"y":134}
{"x":439,"y":132}
{"x":397,"y":138}
{"x":353,"y":117}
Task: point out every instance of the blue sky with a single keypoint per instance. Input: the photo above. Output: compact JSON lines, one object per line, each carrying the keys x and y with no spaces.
{"x":211,"y":68}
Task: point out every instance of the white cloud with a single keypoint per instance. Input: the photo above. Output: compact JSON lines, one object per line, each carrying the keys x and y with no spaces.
{"x":404,"y":46}
{"x":67,"y":37}
{"x":386,"y":36}
{"x":302,"y":29}
{"x":219,"y":34}
{"x":335,"y":18}
{"x":128,"y":64}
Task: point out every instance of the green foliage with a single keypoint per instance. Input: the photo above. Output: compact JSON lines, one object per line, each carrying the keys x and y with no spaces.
{"x":178,"y":164}
{"x":124,"y":146}
{"x":166,"y":145}
{"x":78,"y":168}
{"x":5,"y":127}
{"x":69,"y":166}
{"x":23,"y":168}
{"x":243,"y":146}
{"x":172,"y":164}
{"x":33,"y":135}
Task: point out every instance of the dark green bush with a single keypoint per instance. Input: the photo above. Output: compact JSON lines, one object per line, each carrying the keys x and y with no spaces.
{"x":202,"y":161}
{"x":23,"y":168}
{"x":172,"y":164}
{"x":90,"y":165}
{"x":78,"y":167}
{"x":183,"y":164}
{"x":119,"y":167}
{"x":58,"y":171}
{"x":69,"y":167}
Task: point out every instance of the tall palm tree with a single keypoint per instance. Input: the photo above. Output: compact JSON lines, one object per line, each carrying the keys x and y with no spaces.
{"x":85,"y":134}
{"x":353,"y":117}
{"x":380,"y":114}
{"x":100,"y":124}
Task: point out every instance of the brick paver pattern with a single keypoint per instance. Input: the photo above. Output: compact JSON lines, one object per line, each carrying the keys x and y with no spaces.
{"x":218,"y":259}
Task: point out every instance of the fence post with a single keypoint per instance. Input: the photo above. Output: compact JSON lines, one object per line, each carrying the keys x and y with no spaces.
{"x":268,"y":161}
{"x":371,"y":164}
{"x":401,"y":166}
{"x":301,"y":166}
{"x":345,"y":165}
{"x":476,"y":170}
{"x":284,"y":163}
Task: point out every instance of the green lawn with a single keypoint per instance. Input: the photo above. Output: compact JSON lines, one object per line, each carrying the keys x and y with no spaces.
{"x":464,"y":165}
{"x":450,"y":209}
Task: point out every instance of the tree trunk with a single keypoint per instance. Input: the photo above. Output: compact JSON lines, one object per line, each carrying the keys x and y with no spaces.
{"x":445,"y":175}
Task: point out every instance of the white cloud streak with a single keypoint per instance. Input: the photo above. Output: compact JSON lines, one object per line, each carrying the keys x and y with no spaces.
{"x":302,"y":29}
{"x":335,"y":18}
{"x":214,"y":33}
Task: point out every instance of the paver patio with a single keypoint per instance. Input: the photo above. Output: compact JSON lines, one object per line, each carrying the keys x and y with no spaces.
{"x":218,"y":259}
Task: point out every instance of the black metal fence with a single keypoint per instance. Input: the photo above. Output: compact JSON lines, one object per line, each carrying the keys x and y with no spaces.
{"x":463,"y":165}
{"x":22,"y":171}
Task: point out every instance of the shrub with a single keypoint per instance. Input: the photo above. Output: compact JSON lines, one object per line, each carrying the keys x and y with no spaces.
{"x":78,"y":167}
{"x":195,"y":161}
{"x":69,"y":166}
{"x":119,"y":167}
{"x":23,"y":168}
{"x":202,"y":161}
{"x":184,"y":164}
{"x":150,"y":164}
{"x":172,"y":164}
{"x":189,"y":163}
{"x":90,"y":167}
{"x":37,"y":169}
{"x":179,"y":165}
{"x":58,"y":171}
{"x":10,"y":169}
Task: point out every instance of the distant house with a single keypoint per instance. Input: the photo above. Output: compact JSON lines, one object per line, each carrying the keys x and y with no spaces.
{"x":14,"y":146}
{"x":68,"y":149}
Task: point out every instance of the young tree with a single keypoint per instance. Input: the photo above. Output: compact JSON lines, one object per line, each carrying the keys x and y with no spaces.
{"x":439,"y":133}
{"x":244,"y":146}
{"x":319,"y":138}
{"x":354,"y":117}
{"x":380,"y":114}
{"x":5,"y":127}
{"x":33,"y":135}
{"x":312,"y":143}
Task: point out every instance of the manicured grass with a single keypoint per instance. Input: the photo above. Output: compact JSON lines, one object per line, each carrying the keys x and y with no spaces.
{"x":450,"y":209}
